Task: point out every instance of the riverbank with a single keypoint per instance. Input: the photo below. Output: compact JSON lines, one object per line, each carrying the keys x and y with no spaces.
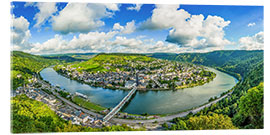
{"x":158,"y":120}
{"x":237,"y":76}
{"x":161,"y":102}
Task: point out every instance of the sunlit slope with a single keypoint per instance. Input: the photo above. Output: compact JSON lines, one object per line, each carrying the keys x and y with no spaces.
{"x":24,"y":65}
{"x":111,"y":62}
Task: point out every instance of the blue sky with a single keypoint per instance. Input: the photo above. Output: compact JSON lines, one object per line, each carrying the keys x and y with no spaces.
{"x":47,"y":28}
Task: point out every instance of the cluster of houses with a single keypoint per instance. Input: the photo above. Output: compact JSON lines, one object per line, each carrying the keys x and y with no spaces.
{"x":65,"y":111}
{"x":157,"y":74}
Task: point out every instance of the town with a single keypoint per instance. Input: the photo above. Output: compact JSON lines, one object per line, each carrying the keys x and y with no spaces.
{"x":151,"y":75}
{"x":43,"y":91}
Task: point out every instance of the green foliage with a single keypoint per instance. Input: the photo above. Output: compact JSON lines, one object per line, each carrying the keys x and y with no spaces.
{"x":88,"y":105}
{"x":214,"y":121}
{"x":63,"y":94}
{"x":64,"y":58}
{"x":99,"y":62}
{"x":251,"y":107}
{"x":24,"y":65}
{"x":203,"y":122}
{"x":165,"y":125}
{"x":30,"y":116}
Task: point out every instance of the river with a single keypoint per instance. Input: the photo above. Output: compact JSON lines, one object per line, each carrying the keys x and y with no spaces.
{"x":151,"y":102}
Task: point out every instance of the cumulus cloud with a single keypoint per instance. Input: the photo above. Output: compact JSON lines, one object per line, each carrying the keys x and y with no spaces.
{"x":112,"y":6}
{"x":102,"y":42}
{"x":129,"y":43}
{"x":90,"y":42}
{"x":20,"y":33}
{"x":129,"y":28}
{"x":52,"y":45}
{"x":160,"y":46}
{"x":255,"y":42}
{"x":136,"y":7}
{"x":251,"y":24}
{"x":46,"y":9}
{"x":82,"y":17}
{"x":186,"y":30}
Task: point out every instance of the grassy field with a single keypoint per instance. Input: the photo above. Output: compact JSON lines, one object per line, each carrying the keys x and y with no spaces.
{"x":101,"y":61}
{"x":88,"y":105}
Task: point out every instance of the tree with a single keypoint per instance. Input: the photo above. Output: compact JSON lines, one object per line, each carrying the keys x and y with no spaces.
{"x":181,"y":125}
{"x":251,"y":105}
{"x":211,"y":121}
{"x":31,"y":116}
{"x":165,"y":125}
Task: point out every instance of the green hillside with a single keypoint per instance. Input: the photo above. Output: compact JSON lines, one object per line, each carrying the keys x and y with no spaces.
{"x":70,"y":57}
{"x":24,"y":65}
{"x":250,"y":64}
{"x":31,"y":116}
{"x":109,"y":62}
{"x":237,"y":61}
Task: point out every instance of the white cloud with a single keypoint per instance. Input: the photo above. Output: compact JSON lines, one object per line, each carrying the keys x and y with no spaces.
{"x":136,"y":7}
{"x":82,"y":17}
{"x":255,"y":42}
{"x":112,"y":6}
{"x":129,"y":28}
{"x":117,"y":26}
{"x":160,"y":46}
{"x":90,"y":42}
{"x":102,"y":42}
{"x":129,"y":43}
{"x":251,"y":24}
{"x":46,"y":9}
{"x":186,"y":30}
{"x":20,"y":33}
{"x":55,"y":44}
{"x":29,"y":4}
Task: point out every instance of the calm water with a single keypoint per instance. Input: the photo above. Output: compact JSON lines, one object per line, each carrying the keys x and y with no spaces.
{"x":152,"y":102}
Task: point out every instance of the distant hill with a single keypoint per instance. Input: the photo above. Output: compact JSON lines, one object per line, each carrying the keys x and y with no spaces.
{"x":64,"y":58}
{"x":71,"y":57}
{"x":238,"y":61}
{"x":24,"y":65}
{"x":103,"y":61}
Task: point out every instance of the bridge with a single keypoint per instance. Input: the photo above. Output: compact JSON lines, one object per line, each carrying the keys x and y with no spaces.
{"x":117,"y":108}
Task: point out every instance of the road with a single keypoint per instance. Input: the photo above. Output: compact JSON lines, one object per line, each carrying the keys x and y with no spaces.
{"x":170,"y":117}
{"x":72,"y":104}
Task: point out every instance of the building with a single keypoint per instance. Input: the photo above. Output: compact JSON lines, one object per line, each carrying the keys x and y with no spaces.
{"x":129,"y":84}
